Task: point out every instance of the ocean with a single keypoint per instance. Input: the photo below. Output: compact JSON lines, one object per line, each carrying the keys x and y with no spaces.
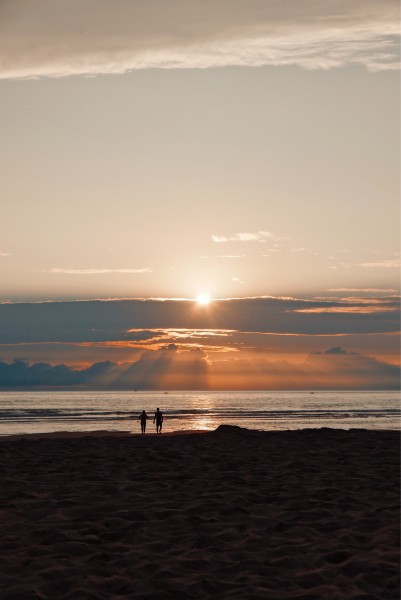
{"x":52,"y":411}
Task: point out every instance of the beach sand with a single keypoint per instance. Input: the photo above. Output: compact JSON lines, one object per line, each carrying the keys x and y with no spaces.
{"x":310,"y":514}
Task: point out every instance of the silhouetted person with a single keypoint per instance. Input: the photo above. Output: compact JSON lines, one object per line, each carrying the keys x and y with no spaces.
{"x":143,"y":417}
{"x":158,"y":418}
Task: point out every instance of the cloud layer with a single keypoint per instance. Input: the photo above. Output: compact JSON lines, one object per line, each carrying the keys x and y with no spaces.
{"x":249,"y":343}
{"x":168,"y":368}
{"x":258,"y":236}
{"x":47,"y":38}
{"x":99,"y":320}
{"x":57,"y":271}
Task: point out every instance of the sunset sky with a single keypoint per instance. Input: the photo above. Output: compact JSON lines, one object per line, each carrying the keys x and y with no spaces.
{"x":155,"y":150}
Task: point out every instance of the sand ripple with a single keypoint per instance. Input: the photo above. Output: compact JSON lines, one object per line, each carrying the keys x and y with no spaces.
{"x":230,"y":514}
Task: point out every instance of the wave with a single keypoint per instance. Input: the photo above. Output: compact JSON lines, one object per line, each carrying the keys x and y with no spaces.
{"x":237,"y":414}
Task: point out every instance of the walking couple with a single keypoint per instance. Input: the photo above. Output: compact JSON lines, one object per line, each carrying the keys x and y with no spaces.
{"x":158,"y":419}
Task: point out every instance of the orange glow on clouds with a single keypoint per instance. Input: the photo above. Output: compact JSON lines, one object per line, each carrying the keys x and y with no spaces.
{"x":347,"y":309}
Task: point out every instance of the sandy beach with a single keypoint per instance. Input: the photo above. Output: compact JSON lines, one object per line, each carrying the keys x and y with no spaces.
{"x":306,"y":515}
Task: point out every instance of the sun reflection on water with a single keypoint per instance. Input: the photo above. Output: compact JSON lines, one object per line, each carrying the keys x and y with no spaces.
{"x":205,"y":423}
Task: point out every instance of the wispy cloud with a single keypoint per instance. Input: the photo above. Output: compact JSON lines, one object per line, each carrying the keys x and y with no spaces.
{"x":392,"y":263}
{"x":258,"y":236}
{"x":47,"y":38}
{"x":224,"y":256}
{"x":348,"y":309}
{"x":365,"y":290}
{"x":57,"y":271}
{"x":304,"y":250}
{"x":354,"y":305}
{"x":389,"y":263}
{"x":3,"y":253}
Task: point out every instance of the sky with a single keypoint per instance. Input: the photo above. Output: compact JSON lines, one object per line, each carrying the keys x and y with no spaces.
{"x":154,"y":151}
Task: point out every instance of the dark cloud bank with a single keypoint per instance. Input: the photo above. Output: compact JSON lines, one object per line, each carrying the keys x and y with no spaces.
{"x":168,"y":368}
{"x":93,"y":321}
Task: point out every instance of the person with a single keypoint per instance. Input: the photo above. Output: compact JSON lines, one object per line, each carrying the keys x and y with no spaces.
{"x":158,"y":418}
{"x":143,"y":417}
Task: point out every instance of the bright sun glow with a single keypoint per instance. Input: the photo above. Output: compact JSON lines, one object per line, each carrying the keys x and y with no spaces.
{"x":203,"y":299}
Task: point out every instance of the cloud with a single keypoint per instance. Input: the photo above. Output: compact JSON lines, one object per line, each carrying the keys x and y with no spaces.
{"x":338,"y":369}
{"x":3,"y":253}
{"x":365,"y":290}
{"x":333,"y":369}
{"x":166,"y":368}
{"x":392,"y":263}
{"x":337,"y":350}
{"x":170,"y":368}
{"x":57,"y":271}
{"x":259,"y":236}
{"x":389,"y":263}
{"x":224,"y":256}
{"x":92,"y":321}
{"x":193,"y":333}
{"x":215,"y":343}
{"x":21,"y":374}
{"x":48,"y":38}
{"x":344,"y":308}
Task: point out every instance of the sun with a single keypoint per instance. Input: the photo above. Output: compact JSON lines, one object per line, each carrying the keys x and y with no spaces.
{"x":203,"y":299}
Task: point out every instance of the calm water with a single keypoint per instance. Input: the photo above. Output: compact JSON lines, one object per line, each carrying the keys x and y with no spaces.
{"x":34,"y":412}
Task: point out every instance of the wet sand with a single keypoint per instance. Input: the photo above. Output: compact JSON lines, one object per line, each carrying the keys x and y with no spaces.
{"x":310,"y":514}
